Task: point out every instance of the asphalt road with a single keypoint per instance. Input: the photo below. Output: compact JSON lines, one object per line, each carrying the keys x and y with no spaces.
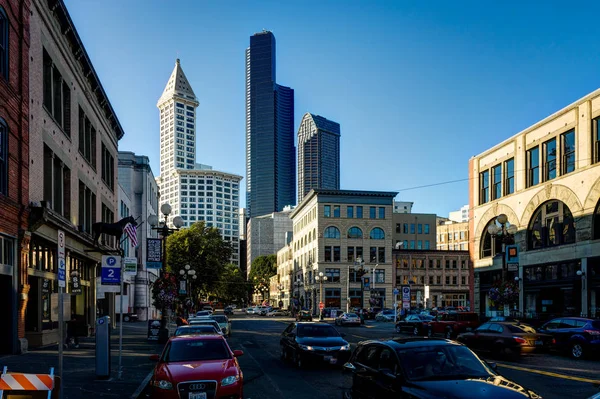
{"x":267,"y":377}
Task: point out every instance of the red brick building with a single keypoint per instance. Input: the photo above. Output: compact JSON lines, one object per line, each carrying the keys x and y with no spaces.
{"x":14,"y":171}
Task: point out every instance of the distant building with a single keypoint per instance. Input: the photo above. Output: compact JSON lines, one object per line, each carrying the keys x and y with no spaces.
{"x":318,"y":154}
{"x":270,"y":150}
{"x":414,"y":231}
{"x":462,"y":215}
{"x":403,"y":206}
{"x":452,"y":236}
{"x":266,"y":235}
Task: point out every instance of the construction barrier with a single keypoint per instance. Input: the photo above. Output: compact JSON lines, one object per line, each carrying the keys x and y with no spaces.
{"x":28,"y":386}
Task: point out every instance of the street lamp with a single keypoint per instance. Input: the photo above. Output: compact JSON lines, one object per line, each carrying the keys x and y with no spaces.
{"x":361,"y":271}
{"x":320,"y":279}
{"x":506,"y":232}
{"x":164,"y":230}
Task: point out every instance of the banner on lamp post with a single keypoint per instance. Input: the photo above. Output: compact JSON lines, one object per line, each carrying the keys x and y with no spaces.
{"x":130,"y":265}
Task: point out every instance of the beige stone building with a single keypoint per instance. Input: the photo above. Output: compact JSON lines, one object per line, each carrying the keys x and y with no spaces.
{"x":452,"y":236}
{"x":414,"y":231}
{"x":546,"y":180}
{"x":285,"y":266}
{"x":332,"y":229}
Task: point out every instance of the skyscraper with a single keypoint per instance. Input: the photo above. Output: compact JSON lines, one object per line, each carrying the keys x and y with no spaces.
{"x":270,"y":150}
{"x":318,"y":154}
{"x":195,"y":192}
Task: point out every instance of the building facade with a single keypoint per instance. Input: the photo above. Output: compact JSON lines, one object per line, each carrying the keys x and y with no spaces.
{"x":318,"y":154}
{"x":14,"y":171}
{"x":437,"y":278}
{"x":270,"y":150}
{"x":546,"y":181}
{"x":452,"y":236}
{"x":403,"y":206}
{"x":196,"y":192}
{"x":414,"y":230}
{"x":138,"y":183}
{"x":285,"y":268}
{"x":266,"y":234}
{"x":460,"y":216}
{"x":336,"y":232}
{"x":73,"y":134}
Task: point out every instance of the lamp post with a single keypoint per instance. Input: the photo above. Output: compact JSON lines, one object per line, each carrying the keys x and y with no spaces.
{"x":298,"y":284}
{"x":320,"y":279}
{"x":165,"y":231}
{"x":506,"y":232}
{"x":361,"y":271}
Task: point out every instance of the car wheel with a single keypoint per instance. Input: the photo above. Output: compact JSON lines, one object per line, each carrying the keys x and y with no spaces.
{"x":416,"y":331}
{"x":448,"y":334}
{"x":577,"y":351}
{"x":283,"y":354}
{"x":429,"y":333}
{"x":398,"y":329}
{"x":298,"y":360}
{"x":126,"y":318}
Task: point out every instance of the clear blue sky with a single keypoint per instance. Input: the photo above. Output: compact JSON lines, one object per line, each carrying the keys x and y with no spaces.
{"x":418,"y":87}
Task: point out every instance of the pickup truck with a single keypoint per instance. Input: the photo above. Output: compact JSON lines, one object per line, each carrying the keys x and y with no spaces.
{"x":453,"y":323}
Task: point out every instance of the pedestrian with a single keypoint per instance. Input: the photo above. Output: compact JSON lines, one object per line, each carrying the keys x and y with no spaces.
{"x":362,"y":316}
{"x":72,"y":332}
{"x":180,"y":321}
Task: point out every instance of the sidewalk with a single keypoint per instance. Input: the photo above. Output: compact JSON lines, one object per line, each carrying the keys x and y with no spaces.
{"x":79,"y":365}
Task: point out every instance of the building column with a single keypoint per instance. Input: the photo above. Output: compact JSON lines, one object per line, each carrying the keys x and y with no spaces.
{"x":24,"y":287}
{"x":584,"y":288}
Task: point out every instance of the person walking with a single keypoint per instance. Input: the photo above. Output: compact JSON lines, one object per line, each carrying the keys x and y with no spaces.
{"x":72,"y":332}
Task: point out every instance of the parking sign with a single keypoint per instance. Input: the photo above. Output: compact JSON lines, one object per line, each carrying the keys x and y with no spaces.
{"x":62,"y":267}
{"x":111,"y":270}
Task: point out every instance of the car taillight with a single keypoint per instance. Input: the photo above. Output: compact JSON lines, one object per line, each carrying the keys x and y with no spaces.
{"x":520,"y":340}
{"x":592,"y":332}
{"x":553,"y":341}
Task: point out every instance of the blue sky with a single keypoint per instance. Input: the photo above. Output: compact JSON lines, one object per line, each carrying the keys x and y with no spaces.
{"x":418,"y":87}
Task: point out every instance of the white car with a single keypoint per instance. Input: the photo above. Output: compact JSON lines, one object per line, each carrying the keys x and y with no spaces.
{"x":250,"y":311}
{"x":211,"y":322}
{"x":278,"y":312}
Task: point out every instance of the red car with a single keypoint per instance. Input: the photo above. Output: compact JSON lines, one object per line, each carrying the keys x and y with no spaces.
{"x":197,"y":367}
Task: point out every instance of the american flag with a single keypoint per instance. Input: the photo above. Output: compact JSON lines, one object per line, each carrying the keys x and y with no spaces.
{"x":131,"y":232}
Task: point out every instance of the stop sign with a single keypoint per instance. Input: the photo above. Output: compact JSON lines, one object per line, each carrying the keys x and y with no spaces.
{"x":321,"y":305}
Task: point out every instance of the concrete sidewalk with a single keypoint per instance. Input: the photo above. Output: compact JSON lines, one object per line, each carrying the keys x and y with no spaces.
{"x":79,"y":365}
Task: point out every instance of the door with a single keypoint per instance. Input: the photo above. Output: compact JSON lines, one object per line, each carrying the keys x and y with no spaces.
{"x":6,"y":315}
{"x":479,"y":336}
{"x":553,"y":328}
{"x":363,"y":380}
{"x":386,"y":379}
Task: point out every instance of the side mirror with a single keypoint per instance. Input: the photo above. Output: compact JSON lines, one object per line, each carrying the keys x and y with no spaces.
{"x":493,"y":366}
{"x":348,"y":368}
{"x":238,"y":353}
{"x":155,"y":358}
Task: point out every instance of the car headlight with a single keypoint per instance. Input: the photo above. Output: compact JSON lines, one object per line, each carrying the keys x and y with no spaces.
{"x":163,"y":384}
{"x":232,"y":379}
{"x":345,"y":347}
{"x":305,"y":347}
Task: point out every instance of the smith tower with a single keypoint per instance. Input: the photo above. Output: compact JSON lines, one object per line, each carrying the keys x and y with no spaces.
{"x":270,"y":150}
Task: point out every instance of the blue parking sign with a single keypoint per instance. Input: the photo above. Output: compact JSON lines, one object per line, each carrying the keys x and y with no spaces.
{"x":111,"y":275}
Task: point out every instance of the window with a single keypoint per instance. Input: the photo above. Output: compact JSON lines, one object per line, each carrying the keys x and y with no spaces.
{"x":355,"y":232}
{"x":381,"y":254}
{"x":448,"y":280}
{"x":108,"y":216}
{"x":484,"y":187}
{"x":549,"y":159}
{"x":87,"y":208}
{"x":419,"y":244}
{"x":419,"y":228}
{"x":87,"y":139}
{"x":336,"y":211}
{"x":568,"y":152}
{"x":327,"y":211}
{"x":57,"y":183}
{"x":496,"y":182}
{"x":463,"y":280}
{"x":447,"y":263}
{"x":426,"y":227}
{"x":551,"y":225}
{"x":533,"y":166}
{"x":3,"y":154}
{"x":350,"y":212}
{"x":381,"y":212}
{"x":398,"y":228}
{"x":454,"y":263}
{"x":359,"y":212}
{"x":332,"y":232}
{"x":57,"y":95}
{"x":377,"y":234}
{"x":405,"y":228}
{"x":412,"y":228}
{"x":438,"y":280}
{"x":379,"y":276}
{"x":373,"y":254}
{"x":426,"y":244}
{"x":3,"y":44}
{"x":333,"y":275}
{"x":596,"y":140}
{"x":490,"y":246}
{"x":596,"y":224}
{"x":509,"y":176}
{"x":412,"y":244}
{"x":454,"y":278}
{"x":108,"y":167}
{"x":350,"y":254}
{"x":372,"y":212}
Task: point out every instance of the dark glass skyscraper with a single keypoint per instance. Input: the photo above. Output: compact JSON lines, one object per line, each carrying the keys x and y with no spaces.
{"x":270,"y":150}
{"x":318,"y":154}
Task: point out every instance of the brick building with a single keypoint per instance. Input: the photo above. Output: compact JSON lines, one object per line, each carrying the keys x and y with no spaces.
{"x":14,"y":177}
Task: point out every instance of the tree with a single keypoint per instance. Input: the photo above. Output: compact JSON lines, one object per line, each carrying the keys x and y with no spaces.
{"x":263,"y":268}
{"x":232,"y":286}
{"x":203,"y":249}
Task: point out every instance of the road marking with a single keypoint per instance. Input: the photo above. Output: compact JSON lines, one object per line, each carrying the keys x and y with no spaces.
{"x":139,"y":390}
{"x":549,"y":374}
{"x":360,"y":336}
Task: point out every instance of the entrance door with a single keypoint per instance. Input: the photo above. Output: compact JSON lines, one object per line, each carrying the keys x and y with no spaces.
{"x":6,"y":315}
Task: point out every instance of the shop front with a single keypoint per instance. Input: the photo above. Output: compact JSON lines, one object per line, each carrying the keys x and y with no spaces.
{"x":333,"y":298}
{"x":593,"y":268}
{"x":8,"y":332}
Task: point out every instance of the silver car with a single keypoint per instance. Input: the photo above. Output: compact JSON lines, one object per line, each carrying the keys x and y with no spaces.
{"x":196,"y":322}
{"x":224,"y":323}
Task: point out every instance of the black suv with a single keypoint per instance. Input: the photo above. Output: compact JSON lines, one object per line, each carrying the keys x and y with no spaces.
{"x":303,"y":343}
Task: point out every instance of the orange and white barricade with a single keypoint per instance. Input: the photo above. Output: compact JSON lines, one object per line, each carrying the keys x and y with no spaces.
{"x":27,"y":383}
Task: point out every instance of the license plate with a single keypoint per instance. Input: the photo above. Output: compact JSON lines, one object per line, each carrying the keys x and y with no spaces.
{"x":327,"y":358}
{"x":539,"y":343}
{"x":197,"y":395}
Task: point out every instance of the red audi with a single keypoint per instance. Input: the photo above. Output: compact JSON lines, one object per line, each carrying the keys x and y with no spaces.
{"x":197,"y":367}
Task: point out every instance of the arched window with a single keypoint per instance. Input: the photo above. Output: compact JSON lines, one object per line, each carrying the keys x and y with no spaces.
{"x":551,"y":225}
{"x":377,"y":234}
{"x":3,"y":43}
{"x":332,"y":232}
{"x":355,"y":232}
{"x":596,"y":222}
{"x":490,"y":246}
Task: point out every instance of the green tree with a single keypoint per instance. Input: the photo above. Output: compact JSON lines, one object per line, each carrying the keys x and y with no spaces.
{"x":263,"y":268}
{"x":232,"y":286}
{"x":204,"y":250}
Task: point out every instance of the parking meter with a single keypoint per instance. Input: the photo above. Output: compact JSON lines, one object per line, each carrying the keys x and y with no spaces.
{"x":103,"y":347}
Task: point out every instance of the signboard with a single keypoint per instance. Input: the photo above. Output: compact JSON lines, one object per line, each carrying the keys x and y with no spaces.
{"x":111,"y":269}
{"x":321,"y":305}
{"x":61,"y":244}
{"x":153,"y":253}
{"x":153,"y":330}
{"x":512,"y":258}
{"x":406,"y":297}
{"x":62,"y":266}
{"x":182,"y":290}
{"x":396,"y":292}
{"x":75,"y":284}
{"x":426,"y":292}
{"x":66,"y":301}
{"x":130,"y":265}
{"x":366,"y":283}
{"x":46,"y":286}
{"x":104,"y":288}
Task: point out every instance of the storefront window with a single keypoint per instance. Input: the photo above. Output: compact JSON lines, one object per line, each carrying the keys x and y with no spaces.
{"x":551,"y":225}
{"x":490,"y":246}
{"x":596,"y":222}
{"x":333,"y":298}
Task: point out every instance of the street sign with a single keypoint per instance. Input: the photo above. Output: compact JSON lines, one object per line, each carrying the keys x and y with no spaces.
{"x":396,"y":292}
{"x":321,"y":305}
{"x":75,"y":284}
{"x":61,"y":244}
{"x":111,"y":270}
{"x":130,"y":265}
{"x":153,"y":253}
{"x":406,"y":293}
{"x":62,"y":266}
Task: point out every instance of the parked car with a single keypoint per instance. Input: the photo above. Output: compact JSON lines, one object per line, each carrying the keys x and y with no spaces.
{"x":215,"y":365}
{"x":347,"y":319}
{"x":209,"y":309}
{"x":372,"y":313}
{"x":416,"y":324}
{"x":424,"y":368}
{"x":303,"y":343}
{"x":576,"y":336}
{"x":249,"y":310}
{"x":264,"y":310}
{"x":196,"y":329}
{"x":385,"y":315}
{"x":453,"y":323}
{"x":278,"y":312}
{"x":506,"y":338}
{"x":224,"y":323}
{"x":496,"y":319}
{"x":197,"y":322}
{"x":303,"y":315}
{"x":202,"y":313}
{"x":228,"y":311}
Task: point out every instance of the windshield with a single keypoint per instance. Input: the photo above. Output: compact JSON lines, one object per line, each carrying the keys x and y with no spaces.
{"x":196,"y":350}
{"x":315,"y":330}
{"x":205,"y":322}
{"x":521,"y":328}
{"x":441,"y":362}
{"x":220,"y":319}
{"x":207,"y":329}
{"x":351,"y":315}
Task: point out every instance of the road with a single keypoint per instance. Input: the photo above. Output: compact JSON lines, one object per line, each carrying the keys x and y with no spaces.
{"x":267,"y":377}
